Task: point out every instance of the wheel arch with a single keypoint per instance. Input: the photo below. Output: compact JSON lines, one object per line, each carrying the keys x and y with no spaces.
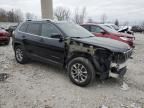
{"x":76,"y":54}
{"x":15,"y":44}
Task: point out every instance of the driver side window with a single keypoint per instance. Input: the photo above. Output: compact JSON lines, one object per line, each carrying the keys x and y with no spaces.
{"x":49,"y":29}
{"x":96,"y":29}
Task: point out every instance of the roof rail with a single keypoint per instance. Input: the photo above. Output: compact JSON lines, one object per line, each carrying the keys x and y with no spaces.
{"x":39,"y":20}
{"x":46,"y":19}
{"x":28,"y":20}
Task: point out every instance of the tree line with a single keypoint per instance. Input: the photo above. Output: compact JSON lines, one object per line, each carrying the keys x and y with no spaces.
{"x":14,"y":15}
{"x":79,"y":16}
{"x":60,"y":13}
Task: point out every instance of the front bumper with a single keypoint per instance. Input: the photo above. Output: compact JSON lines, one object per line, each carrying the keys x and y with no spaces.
{"x":117,"y":70}
{"x":4,"y":38}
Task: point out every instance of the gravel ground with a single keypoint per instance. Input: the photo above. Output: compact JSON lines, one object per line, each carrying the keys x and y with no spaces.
{"x":39,"y":85}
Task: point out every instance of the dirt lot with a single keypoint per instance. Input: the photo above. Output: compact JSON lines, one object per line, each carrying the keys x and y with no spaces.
{"x":39,"y":85}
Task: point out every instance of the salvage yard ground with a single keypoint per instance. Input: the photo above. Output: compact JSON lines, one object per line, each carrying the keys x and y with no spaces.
{"x":39,"y":85}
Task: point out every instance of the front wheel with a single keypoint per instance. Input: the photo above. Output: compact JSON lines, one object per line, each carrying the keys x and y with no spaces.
{"x":81,"y":71}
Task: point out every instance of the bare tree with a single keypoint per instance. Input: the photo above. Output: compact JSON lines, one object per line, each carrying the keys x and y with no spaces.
{"x":62,"y":13}
{"x":3,"y":15}
{"x":90,"y":20}
{"x":103,"y":18}
{"x":10,"y":16}
{"x":18,"y":16}
{"x":29,"y":16}
{"x":79,"y":16}
{"x":117,"y":22}
{"x":126,"y":23}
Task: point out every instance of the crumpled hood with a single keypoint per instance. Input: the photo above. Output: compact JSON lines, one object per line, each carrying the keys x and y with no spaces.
{"x":112,"y":45}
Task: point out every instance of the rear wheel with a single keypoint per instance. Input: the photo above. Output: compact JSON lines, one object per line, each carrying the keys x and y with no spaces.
{"x":81,"y":71}
{"x":20,"y":55}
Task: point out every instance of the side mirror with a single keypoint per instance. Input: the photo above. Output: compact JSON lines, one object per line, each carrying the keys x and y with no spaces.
{"x":57,"y":36}
{"x":103,"y":32}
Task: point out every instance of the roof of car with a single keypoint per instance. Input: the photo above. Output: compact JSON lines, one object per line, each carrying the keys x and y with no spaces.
{"x":96,"y":24}
{"x":43,"y":20}
{"x":47,"y":20}
{"x":89,"y":24}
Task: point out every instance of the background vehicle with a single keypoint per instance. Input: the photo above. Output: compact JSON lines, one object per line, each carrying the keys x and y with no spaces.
{"x":4,"y":37}
{"x":122,"y":29}
{"x":126,"y":29}
{"x":71,"y":46}
{"x":11,"y":29}
{"x":112,"y":26}
{"x":139,"y":29}
{"x":101,"y":30}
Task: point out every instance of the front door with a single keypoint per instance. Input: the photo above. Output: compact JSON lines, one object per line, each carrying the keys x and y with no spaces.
{"x":52,"y":48}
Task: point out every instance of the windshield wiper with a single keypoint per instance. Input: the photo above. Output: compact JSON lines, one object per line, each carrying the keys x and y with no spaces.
{"x":76,"y":37}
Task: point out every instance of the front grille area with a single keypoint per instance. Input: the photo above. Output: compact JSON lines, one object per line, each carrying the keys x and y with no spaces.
{"x":122,"y":57}
{"x":128,"y":53}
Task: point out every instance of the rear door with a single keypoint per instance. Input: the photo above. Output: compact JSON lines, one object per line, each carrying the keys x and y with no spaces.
{"x":32,"y":38}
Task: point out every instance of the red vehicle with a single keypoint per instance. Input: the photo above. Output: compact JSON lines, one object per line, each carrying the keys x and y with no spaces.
{"x":4,"y":37}
{"x":106,"y":32}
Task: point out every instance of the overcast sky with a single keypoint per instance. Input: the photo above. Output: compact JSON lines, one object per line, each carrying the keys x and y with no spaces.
{"x":124,"y":10}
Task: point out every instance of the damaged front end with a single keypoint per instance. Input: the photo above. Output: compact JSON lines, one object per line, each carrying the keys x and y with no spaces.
{"x":119,"y":63}
{"x":106,"y":62}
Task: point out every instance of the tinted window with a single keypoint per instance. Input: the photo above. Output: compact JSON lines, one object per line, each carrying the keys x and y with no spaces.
{"x":23,"y":27}
{"x":108,"y":29}
{"x":49,"y":29}
{"x":96,"y":29}
{"x":86,"y":27}
{"x":73,"y":30}
{"x":34,"y":28}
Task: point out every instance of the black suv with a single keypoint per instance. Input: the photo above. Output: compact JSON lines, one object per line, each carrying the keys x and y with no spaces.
{"x":81,"y":53}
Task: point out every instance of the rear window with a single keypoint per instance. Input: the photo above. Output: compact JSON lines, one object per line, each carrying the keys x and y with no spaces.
{"x":23,"y":27}
{"x":34,"y":28}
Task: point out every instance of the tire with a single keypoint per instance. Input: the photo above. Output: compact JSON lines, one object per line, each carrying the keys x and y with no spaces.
{"x":81,"y":71}
{"x":20,"y":55}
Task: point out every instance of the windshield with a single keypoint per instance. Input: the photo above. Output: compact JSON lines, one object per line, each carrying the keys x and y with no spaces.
{"x":74,"y":30}
{"x":115,"y":27}
{"x":108,"y":29}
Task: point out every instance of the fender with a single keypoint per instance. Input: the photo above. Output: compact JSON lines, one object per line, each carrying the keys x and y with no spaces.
{"x":16,"y":42}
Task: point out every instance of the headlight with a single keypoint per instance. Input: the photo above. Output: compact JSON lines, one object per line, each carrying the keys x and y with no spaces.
{"x":124,"y":38}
